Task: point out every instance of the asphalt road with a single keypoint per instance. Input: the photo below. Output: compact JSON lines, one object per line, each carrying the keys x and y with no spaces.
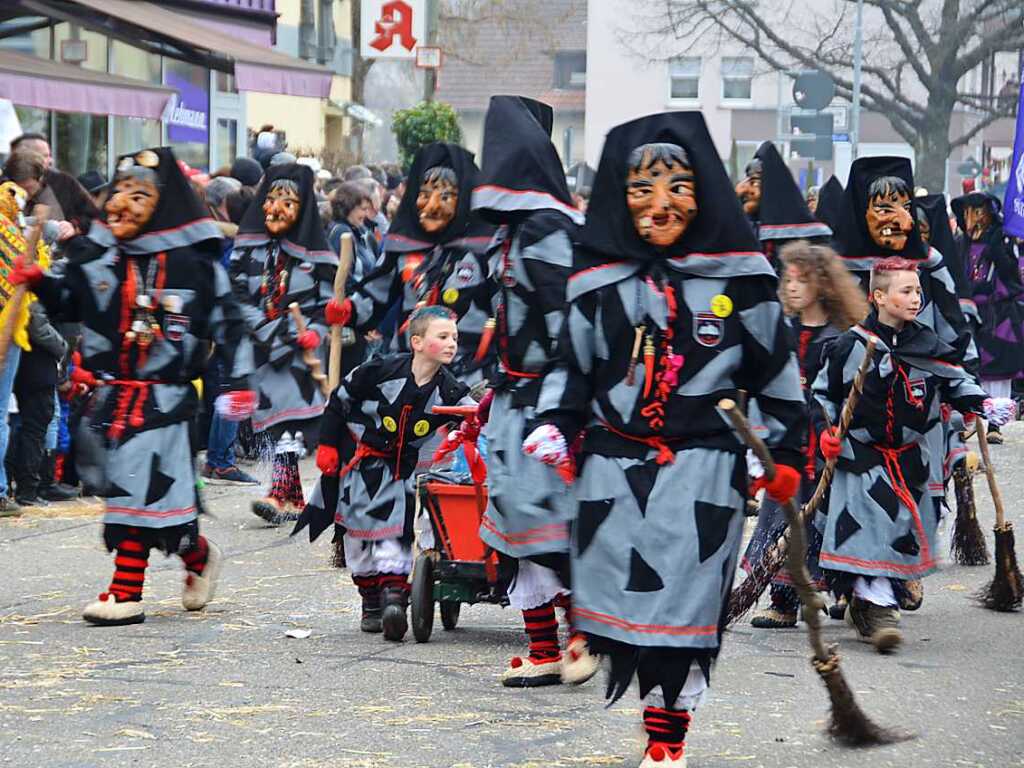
{"x":227,"y":688}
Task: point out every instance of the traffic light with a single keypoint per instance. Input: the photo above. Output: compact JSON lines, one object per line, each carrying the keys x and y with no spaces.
{"x":818,"y":129}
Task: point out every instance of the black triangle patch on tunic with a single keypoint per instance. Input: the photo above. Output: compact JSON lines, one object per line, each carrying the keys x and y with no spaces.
{"x":712,"y":527}
{"x":641,"y":478}
{"x":592,"y":515}
{"x":846,"y":526}
{"x":886,"y":498}
{"x":159,"y":483}
{"x":642,"y":578}
{"x":304,"y":381}
{"x":265,"y":403}
{"x":372,"y":476}
{"x":113,"y":490}
{"x":382,"y":512}
{"x":907,"y":545}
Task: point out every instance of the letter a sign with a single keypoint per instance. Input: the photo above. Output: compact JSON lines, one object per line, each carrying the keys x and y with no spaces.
{"x":391,"y":29}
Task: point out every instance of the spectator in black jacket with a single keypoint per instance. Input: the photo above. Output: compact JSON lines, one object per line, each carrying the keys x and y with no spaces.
{"x":75,"y":207}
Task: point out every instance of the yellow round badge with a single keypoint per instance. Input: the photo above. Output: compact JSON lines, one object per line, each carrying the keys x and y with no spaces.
{"x":721,"y":305}
{"x":389,"y":424}
{"x":421,"y":427}
{"x":450,"y":295}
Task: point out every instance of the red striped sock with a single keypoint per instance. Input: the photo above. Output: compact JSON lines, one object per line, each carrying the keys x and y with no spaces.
{"x":666,"y":729}
{"x":286,"y":485}
{"x":195,"y":558}
{"x":542,"y":629}
{"x":394,"y":581}
{"x":129,"y":571}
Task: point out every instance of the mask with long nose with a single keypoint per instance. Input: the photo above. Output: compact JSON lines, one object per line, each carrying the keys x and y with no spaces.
{"x":977,"y":220}
{"x":749,"y":189}
{"x":889,"y":215}
{"x":281,"y":207}
{"x":661,"y":192}
{"x":438,"y":199}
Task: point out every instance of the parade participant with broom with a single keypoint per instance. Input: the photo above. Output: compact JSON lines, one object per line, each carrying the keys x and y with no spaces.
{"x":281,"y":258}
{"x":666,"y":261}
{"x":148,"y":288}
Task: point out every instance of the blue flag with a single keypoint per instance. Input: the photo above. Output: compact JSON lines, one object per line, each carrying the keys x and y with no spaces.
{"x":1013,"y":203}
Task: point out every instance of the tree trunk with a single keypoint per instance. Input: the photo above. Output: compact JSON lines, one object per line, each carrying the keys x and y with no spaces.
{"x":932,"y":145}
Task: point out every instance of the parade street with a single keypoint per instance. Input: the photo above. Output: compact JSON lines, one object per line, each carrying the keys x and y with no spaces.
{"x":228,"y":687}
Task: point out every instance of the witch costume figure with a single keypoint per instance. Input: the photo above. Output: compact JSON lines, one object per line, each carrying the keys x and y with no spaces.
{"x":152,"y":298}
{"x":994,"y":282}
{"x":774,"y":205}
{"x":830,"y":197}
{"x":434,"y":255}
{"x":281,"y":257}
{"x":671,"y":307}
{"x":523,"y":188}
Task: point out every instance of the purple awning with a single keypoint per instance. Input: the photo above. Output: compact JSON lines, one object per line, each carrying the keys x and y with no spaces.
{"x":294,"y":82}
{"x":33,"y":82}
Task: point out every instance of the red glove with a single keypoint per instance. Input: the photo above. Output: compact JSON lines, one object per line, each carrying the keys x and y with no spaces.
{"x":831,"y":445}
{"x":308,"y":339}
{"x":327,"y":459}
{"x":82,"y":377}
{"x":969,"y":418}
{"x":29,"y":274}
{"x":338,"y":314}
{"x":783,"y":488}
{"x":483,"y":408}
{"x":238,"y":405}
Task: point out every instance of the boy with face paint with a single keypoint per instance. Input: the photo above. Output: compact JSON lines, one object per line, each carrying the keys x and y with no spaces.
{"x":281,"y":257}
{"x":149,"y":290}
{"x":773,"y":204}
{"x":881,"y":525}
{"x":523,"y":188}
{"x":434,"y":255}
{"x":671,"y":308}
{"x":373,"y":429}
{"x":994,"y":285}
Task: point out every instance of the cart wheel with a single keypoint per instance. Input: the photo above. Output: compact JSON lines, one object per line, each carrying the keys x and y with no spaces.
{"x":422,"y":598}
{"x":450,"y":614}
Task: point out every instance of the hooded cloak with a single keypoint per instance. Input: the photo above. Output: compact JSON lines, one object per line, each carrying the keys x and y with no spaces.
{"x":829,"y":202}
{"x":783,"y":213}
{"x":521,"y":168}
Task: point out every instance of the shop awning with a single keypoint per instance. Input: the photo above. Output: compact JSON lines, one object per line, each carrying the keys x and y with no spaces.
{"x":29,"y":81}
{"x":172,"y":33}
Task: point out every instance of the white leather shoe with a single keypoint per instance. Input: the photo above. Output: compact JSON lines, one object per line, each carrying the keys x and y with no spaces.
{"x":199,"y":590}
{"x":107,"y":612}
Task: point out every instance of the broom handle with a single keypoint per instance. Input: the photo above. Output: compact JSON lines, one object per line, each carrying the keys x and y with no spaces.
{"x":797,"y":554}
{"x":309,"y":356}
{"x":17,"y":298}
{"x":990,"y":473}
{"x":340,"y":278}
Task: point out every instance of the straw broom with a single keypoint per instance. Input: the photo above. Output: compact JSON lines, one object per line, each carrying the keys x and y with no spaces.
{"x":967,"y":542}
{"x":1006,"y":590}
{"x":761,"y":574}
{"x":847,"y":722}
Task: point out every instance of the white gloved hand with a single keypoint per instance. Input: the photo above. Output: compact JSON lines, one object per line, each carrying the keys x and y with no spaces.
{"x":999,"y":410}
{"x":546,"y":444}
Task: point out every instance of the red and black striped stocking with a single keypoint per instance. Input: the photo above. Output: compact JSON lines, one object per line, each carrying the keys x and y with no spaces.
{"x":130,"y":564}
{"x":195,"y":558}
{"x":542,"y":629}
{"x":286,"y":485}
{"x":666,"y":731}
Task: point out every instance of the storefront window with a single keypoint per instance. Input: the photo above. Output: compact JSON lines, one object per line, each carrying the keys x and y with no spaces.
{"x":129,"y":61}
{"x":33,"y":120}
{"x":35,"y":43}
{"x":227,"y":140}
{"x":81,"y":143}
{"x":188,"y":130}
{"x":77,"y":45}
{"x":134,"y":133}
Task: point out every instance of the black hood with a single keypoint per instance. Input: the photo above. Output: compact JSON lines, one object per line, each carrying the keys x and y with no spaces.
{"x":784,"y":214}
{"x":520,"y":169}
{"x":306,"y":239}
{"x":830,"y":200}
{"x":942,"y":240}
{"x":720,"y":226}
{"x":179,"y":220}
{"x":405,"y":232}
{"x":852,"y":238}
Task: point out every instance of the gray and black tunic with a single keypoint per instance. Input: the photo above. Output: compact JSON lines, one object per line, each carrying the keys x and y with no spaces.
{"x":152,"y":309}
{"x":882,"y":520}
{"x":268,"y":274}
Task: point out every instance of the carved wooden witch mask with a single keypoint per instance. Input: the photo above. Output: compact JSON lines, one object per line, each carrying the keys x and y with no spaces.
{"x":661,"y":192}
{"x":889,"y":217}
{"x":282,"y":206}
{"x":438,"y":198}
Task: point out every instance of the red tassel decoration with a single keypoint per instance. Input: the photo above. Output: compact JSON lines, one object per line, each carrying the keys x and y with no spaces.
{"x":485,"y":339}
{"x":648,"y":366}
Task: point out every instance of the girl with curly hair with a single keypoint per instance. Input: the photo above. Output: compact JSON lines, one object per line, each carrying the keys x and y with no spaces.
{"x":822,"y":300}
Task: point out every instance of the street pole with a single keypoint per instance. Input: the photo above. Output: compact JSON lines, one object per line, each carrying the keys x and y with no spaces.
{"x":430,"y":75}
{"x":858,"y":56}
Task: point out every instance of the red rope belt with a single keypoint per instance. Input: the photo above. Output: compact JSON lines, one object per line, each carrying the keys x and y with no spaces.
{"x":665,"y":453}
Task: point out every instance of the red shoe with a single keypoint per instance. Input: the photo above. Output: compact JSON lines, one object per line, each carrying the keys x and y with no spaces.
{"x":664,"y":755}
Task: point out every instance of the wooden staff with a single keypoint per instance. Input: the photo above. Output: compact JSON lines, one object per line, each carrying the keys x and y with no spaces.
{"x":340,"y":277}
{"x":848,"y":724}
{"x":746,"y":594}
{"x":17,"y":299}
{"x":1006,"y":590}
{"x":309,"y":356}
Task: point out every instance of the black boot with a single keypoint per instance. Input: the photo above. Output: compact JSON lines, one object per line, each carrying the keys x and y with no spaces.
{"x":48,"y":489}
{"x":393,"y":618}
{"x":371,"y":620}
